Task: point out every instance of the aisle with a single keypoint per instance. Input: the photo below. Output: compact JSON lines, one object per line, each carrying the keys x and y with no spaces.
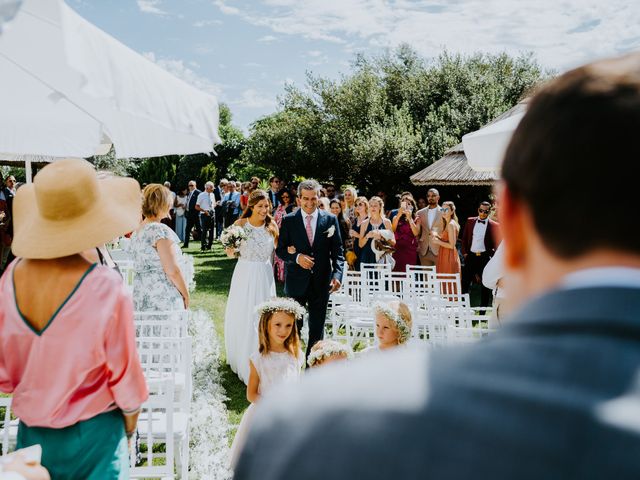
{"x":213,"y":278}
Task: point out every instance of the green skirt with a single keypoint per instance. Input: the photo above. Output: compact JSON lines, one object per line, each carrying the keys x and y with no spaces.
{"x":94,"y":449}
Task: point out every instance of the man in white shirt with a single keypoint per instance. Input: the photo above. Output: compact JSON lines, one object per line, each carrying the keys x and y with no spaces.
{"x":205,"y":205}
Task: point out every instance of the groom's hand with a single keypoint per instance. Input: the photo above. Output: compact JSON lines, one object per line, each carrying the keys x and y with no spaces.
{"x":335,"y":285}
{"x":305,"y":261}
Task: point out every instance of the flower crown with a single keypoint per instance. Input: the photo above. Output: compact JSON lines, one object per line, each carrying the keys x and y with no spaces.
{"x":288,"y":305}
{"x":327,"y":350}
{"x":404,"y":331}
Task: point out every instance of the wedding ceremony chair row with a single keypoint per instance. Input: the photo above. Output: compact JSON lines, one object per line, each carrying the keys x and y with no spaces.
{"x":9,"y":428}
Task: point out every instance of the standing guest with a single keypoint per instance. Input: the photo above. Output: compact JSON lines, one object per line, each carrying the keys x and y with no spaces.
{"x":57,"y":308}
{"x":255,"y":183}
{"x":204,"y":205}
{"x":480,"y":239}
{"x":247,"y":187}
{"x":422,"y":203}
{"x":170,"y":220}
{"x":324,"y":204}
{"x":284,"y":208}
{"x":401,"y":198}
{"x":231,"y":205}
{"x":8,"y":191}
{"x":274,"y":191}
{"x":345,"y":225}
{"x":533,"y":402}
{"x":180,"y":211}
{"x":406,"y":232}
{"x":158,"y":284}
{"x":361,"y":213}
{"x":331,"y":190}
{"x":219,"y":214}
{"x":193,"y":220}
{"x":217,"y":198}
{"x":370,"y":230}
{"x":448,"y":258}
{"x":350,"y":196}
{"x":430,"y":221}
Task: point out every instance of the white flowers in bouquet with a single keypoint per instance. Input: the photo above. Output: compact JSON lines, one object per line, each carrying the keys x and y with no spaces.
{"x":232,"y":237}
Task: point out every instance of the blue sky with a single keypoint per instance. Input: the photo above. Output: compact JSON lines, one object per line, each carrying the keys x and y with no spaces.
{"x":245,"y":51}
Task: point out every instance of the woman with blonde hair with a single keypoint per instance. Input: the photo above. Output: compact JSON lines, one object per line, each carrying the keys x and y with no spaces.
{"x":448,"y":258}
{"x":159,"y":284}
{"x":252,"y":282}
{"x":350,"y":197}
{"x":370,"y":230}
{"x":67,"y":340}
{"x":360,"y":214}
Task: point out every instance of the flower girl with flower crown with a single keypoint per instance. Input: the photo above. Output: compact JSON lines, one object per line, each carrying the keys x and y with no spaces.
{"x":393,"y":325}
{"x":279,"y":358}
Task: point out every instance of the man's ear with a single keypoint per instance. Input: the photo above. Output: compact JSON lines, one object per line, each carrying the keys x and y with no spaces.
{"x":513,"y":223}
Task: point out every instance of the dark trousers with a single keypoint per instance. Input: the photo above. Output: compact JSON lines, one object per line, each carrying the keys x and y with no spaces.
{"x":219,"y":221}
{"x":192,"y":221}
{"x":207,"y":223}
{"x":472,"y":272}
{"x":316,"y":304}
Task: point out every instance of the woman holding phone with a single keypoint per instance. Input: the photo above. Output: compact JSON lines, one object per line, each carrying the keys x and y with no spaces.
{"x":406,"y":232}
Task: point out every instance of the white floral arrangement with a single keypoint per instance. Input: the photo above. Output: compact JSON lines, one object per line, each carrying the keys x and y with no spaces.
{"x":328,"y":349}
{"x":288,"y":305}
{"x":404,"y":331}
{"x":232,"y":237}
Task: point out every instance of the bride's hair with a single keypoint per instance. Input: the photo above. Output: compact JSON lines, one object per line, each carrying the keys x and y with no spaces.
{"x":292,"y":343}
{"x":254,"y":198}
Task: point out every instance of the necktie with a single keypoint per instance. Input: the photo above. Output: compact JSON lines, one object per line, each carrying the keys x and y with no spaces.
{"x":482,"y":221}
{"x":308,"y":228}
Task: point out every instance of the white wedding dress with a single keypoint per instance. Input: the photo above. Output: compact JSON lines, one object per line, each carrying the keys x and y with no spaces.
{"x":252,"y":284}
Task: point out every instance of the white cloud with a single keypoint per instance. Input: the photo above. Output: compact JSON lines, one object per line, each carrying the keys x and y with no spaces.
{"x":560,"y":33}
{"x":178,"y":68}
{"x":151,"y":6}
{"x":314,"y":53}
{"x":267,"y":39}
{"x":252,"y":98}
{"x":206,"y":23}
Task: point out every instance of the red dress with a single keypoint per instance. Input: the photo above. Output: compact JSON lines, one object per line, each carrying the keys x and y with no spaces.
{"x":406,"y":247}
{"x":448,"y":258}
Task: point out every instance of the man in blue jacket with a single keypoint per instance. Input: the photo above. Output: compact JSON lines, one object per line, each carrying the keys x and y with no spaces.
{"x":556,"y":393}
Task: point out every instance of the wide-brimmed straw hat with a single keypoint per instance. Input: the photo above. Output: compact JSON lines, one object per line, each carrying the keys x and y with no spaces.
{"x":68,"y":209}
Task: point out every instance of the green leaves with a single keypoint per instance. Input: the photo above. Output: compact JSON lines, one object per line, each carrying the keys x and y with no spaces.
{"x":391,"y":116}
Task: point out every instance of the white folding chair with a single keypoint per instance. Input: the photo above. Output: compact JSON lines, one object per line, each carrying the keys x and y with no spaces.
{"x":372,"y":280}
{"x":448,"y":284}
{"x":396,"y":286}
{"x":359,"y":324}
{"x":9,"y":428}
{"x":159,"y":426}
{"x":171,"y":323}
{"x":431,"y":320}
{"x":127,"y":270}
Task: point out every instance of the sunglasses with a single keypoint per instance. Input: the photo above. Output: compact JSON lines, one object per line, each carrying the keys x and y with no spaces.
{"x":481,"y":210}
{"x":445,"y":210}
{"x":285,"y":196}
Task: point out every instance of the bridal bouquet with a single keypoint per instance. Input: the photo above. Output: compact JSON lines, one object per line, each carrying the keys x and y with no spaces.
{"x":232,"y":237}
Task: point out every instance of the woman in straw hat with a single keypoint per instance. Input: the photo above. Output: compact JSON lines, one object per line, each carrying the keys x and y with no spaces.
{"x":67,"y":340}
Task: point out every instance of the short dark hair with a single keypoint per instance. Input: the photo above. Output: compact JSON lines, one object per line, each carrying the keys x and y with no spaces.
{"x":574,"y":140}
{"x":485,"y":204}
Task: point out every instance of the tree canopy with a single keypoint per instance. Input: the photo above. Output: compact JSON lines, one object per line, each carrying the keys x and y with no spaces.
{"x":391,"y":116}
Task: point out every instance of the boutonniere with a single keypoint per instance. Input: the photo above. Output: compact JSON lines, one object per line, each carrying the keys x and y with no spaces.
{"x":331,"y":231}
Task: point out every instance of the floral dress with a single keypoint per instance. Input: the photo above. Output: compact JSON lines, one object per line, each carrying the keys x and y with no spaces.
{"x":152,"y":289}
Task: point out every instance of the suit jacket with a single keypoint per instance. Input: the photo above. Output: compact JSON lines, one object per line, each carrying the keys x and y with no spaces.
{"x":425,"y":242}
{"x":492,"y":236}
{"x":192,"y":212}
{"x":327,"y":252}
{"x":548,"y":397}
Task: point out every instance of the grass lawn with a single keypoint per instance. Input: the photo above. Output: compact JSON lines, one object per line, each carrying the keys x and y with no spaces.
{"x":213,"y":278}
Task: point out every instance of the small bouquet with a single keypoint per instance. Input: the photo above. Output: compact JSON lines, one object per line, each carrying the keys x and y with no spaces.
{"x":232,"y":237}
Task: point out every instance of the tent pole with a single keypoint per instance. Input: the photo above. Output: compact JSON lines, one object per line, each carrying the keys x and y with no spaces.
{"x":27,"y":168}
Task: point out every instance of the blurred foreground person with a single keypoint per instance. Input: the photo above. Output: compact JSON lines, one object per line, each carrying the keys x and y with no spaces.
{"x":67,"y":341}
{"x":555,"y":394}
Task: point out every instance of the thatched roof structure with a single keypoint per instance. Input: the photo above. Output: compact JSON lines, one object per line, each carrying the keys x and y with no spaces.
{"x":453,"y":168}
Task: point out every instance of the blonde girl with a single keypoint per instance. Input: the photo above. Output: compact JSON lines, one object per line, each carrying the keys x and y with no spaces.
{"x":393,"y":324}
{"x":328,"y":351}
{"x":279,"y":358}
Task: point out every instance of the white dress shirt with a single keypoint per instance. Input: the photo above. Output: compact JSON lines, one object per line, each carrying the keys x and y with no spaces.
{"x":431,"y":216}
{"x":479,"y":231}
{"x":206,"y":201}
{"x":314,"y":221}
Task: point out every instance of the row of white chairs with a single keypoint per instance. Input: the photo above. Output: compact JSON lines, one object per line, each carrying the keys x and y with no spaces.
{"x":441,"y":314}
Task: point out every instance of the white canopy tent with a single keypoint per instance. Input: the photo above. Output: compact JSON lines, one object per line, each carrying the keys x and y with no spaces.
{"x":485,"y":148}
{"x":67,"y":88}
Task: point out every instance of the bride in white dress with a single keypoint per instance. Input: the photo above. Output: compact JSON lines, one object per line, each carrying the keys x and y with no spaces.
{"x":252,"y":283}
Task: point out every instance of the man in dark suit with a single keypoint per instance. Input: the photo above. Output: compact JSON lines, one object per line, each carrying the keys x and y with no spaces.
{"x":218,"y":193}
{"x":315,"y":269}
{"x":193,"y":217}
{"x":480,"y":238}
{"x":556,"y":393}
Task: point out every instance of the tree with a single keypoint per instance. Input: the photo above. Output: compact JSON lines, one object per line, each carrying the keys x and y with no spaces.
{"x":391,"y":116}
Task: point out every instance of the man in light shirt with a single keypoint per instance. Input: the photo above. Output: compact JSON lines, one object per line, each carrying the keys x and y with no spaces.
{"x":429,"y":219}
{"x":555,"y":393}
{"x":205,"y":205}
